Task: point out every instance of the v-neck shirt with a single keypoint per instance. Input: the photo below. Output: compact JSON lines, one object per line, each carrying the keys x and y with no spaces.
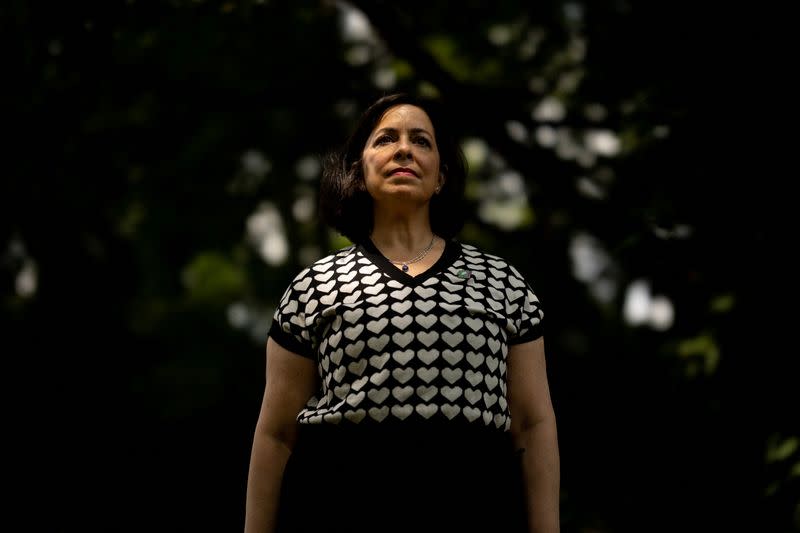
{"x":391,"y":347}
{"x":449,"y":254}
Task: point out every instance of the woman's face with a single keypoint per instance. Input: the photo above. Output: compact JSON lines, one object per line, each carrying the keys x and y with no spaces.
{"x":400,"y":158}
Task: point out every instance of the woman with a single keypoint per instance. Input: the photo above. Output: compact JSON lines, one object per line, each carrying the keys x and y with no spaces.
{"x":406,"y":387}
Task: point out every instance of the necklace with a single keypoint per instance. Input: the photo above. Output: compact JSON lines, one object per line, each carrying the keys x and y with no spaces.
{"x":419,"y":256}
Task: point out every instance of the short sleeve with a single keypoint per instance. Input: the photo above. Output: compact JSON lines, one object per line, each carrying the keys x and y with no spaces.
{"x":526,"y":309}
{"x":289,"y":325}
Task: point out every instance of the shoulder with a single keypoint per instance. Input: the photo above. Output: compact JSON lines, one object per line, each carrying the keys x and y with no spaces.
{"x":473,"y":254}
{"x":497,"y":266}
{"x":343,"y":255}
{"x":473,"y":251}
{"x":319,"y":269}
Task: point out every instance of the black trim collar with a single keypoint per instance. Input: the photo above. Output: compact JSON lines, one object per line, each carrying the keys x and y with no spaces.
{"x":452,"y":250}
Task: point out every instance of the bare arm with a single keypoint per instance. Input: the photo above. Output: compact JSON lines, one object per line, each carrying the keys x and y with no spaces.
{"x":533,"y":424}
{"x":290,"y":382}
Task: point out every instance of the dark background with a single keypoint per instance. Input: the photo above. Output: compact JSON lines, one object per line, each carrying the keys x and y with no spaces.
{"x":142,"y":137}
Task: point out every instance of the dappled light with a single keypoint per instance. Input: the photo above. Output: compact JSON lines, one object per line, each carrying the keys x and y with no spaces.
{"x":254,"y":162}
{"x":549,"y":109}
{"x":642,"y":308}
{"x":546,"y":136}
{"x":384,"y":78}
{"x":475,"y":151}
{"x":23,"y":268}
{"x":254,"y":168}
{"x":252,"y":319}
{"x":308,"y":168}
{"x":169,"y":191}
{"x":602,"y":142}
{"x":304,"y":208}
{"x":589,"y":260}
{"x":266,"y":233}
{"x":500,"y":34}
{"x":503,"y":201}
{"x":354,"y":25}
{"x":701,"y":355}
{"x":26,"y":281}
{"x":517,"y":131}
{"x":590,"y":188}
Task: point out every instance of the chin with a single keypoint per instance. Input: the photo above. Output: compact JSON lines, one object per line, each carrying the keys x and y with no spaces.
{"x":403,"y":193}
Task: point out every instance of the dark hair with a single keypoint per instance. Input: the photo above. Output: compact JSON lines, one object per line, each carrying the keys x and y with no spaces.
{"x":344,"y":202}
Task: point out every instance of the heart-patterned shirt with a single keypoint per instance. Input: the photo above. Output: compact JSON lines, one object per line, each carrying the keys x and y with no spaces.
{"x":394,"y":347}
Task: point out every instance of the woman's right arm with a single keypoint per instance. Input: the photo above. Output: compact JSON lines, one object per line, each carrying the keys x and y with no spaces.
{"x":291,"y":380}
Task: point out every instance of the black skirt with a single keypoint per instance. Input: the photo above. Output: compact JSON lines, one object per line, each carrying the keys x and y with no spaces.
{"x":403,"y":477}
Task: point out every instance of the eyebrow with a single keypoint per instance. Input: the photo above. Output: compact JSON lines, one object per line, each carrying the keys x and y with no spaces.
{"x":394,"y":130}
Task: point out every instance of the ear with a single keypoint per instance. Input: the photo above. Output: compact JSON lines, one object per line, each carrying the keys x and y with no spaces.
{"x":440,"y":182}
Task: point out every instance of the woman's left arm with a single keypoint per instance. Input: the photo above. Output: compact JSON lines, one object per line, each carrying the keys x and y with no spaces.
{"x":533,"y":425}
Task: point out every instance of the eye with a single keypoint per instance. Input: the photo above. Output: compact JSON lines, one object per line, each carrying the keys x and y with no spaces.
{"x":422,"y":141}
{"x":383,"y":139}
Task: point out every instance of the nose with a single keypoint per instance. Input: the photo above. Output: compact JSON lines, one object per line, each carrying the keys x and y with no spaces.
{"x":403,"y":151}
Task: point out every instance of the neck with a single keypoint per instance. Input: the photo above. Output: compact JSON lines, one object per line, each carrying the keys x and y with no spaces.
{"x":401,"y":241}
{"x":403,"y":234}
{"x":404,"y":262}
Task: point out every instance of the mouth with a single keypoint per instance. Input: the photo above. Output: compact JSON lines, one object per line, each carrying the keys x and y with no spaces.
{"x":403,"y":171}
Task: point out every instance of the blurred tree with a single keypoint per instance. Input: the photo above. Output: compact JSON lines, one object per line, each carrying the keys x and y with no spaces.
{"x":163,"y":175}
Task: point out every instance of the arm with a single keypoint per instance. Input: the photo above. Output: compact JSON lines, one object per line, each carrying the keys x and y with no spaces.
{"x":291,"y":381}
{"x":533,"y":425}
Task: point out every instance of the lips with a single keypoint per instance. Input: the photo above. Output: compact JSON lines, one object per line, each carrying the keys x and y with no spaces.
{"x":403,"y":171}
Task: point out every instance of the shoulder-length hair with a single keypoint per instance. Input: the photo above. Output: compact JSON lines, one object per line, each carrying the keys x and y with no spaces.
{"x":344,"y":202}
